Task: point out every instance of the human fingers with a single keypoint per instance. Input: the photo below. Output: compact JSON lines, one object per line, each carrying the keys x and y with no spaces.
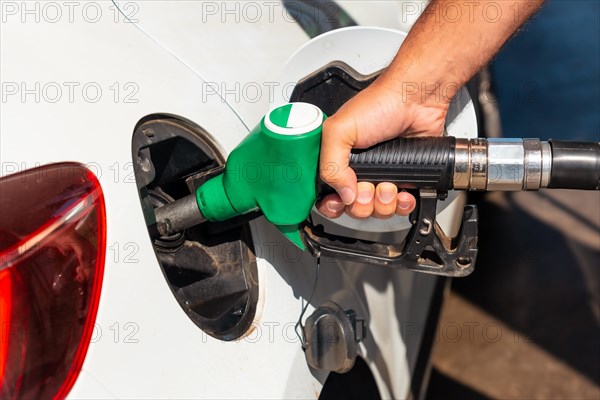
{"x":331,"y":206}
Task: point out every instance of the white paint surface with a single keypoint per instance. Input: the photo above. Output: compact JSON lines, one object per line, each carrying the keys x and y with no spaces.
{"x":169,"y":61}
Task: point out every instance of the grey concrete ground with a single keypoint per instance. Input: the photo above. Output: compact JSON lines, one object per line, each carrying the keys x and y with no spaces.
{"x":526,"y":323}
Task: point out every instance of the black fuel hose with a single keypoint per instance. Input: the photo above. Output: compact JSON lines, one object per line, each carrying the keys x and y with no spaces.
{"x":446,"y":163}
{"x":575,"y":165}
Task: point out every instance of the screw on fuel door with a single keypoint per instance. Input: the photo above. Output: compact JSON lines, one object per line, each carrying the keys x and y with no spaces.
{"x":332,"y":335}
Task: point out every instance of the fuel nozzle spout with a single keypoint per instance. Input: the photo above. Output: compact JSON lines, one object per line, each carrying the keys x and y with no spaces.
{"x":178,"y":216}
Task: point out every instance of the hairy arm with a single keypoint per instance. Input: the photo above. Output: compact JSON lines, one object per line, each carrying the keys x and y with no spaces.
{"x":448,"y":44}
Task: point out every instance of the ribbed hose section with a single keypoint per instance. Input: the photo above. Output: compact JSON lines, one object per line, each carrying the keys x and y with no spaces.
{"x":410,"y":163}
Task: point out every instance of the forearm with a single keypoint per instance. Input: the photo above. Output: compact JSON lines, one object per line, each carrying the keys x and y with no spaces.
{"x":450,"y":42}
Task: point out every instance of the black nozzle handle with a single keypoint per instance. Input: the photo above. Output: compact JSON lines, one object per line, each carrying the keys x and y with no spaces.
{"x":410,"y":163}
{"x":575,"y":165}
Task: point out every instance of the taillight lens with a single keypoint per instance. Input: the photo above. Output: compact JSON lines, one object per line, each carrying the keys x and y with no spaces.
{"x":52,"y":246}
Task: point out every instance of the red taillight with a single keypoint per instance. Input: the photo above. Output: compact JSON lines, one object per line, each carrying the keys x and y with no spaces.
{"x":52,"y":245}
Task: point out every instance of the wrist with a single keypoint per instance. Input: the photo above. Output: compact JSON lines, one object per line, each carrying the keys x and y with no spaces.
{"x":410,"y":113}
{"x":422,"y":89}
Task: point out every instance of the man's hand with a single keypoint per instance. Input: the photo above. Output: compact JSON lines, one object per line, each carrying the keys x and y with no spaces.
{"x":412,"y":96}
{"x":375,"y":115}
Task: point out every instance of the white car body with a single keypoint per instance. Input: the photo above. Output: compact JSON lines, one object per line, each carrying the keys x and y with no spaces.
{"x":73,"y":89}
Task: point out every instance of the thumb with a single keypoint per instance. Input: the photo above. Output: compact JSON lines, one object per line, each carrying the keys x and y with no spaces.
{"x":336,"y":143}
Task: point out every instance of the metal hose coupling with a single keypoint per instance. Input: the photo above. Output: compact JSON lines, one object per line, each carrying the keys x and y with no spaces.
{"x":525,"y":164}
{"x":502,"y":164}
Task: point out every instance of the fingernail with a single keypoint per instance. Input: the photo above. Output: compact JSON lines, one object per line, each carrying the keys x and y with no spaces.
{"x":347,"y":195}
{"x":335,"y":206}
{"x":404,"y":204}
{"x":364,"y":196}
{"x":386,"y":195}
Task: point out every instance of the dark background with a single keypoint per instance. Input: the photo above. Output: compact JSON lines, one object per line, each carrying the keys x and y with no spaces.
{"x":526,"y":323}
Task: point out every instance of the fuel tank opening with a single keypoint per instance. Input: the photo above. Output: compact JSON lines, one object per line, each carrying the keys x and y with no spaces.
{"x":210,"y":268}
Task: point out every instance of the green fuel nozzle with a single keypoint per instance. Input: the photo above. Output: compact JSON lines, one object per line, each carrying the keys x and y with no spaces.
{"x":274,"y":169}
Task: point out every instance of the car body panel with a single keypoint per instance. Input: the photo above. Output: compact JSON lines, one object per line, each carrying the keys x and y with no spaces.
{"x":144,"y":345}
